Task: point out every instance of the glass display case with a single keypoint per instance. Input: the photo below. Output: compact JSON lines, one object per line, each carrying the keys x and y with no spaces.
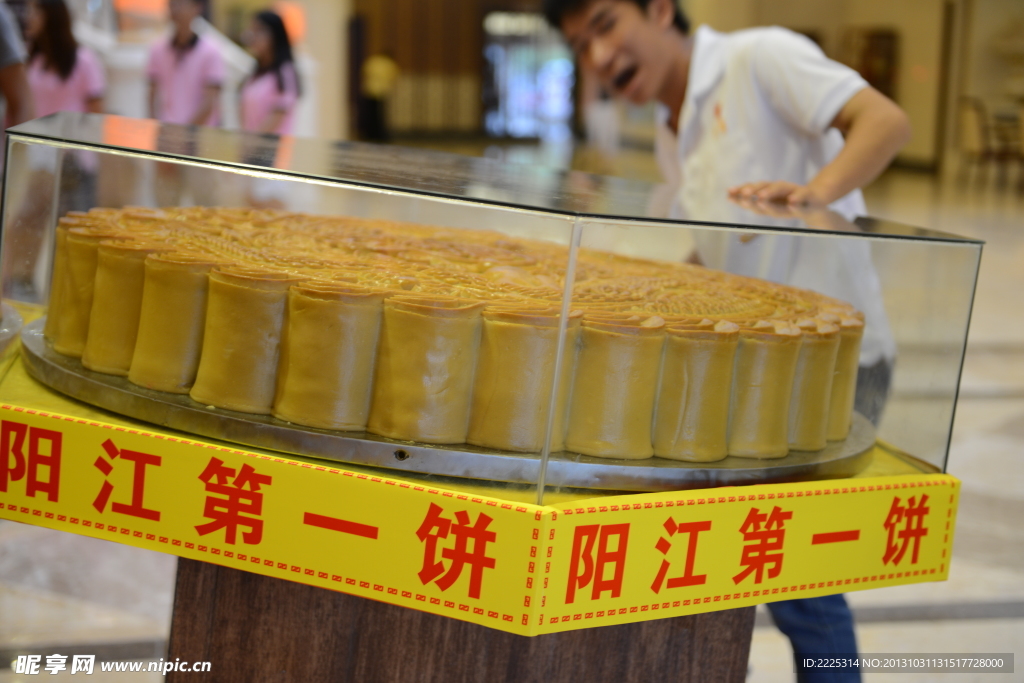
{"x":447,"y":316}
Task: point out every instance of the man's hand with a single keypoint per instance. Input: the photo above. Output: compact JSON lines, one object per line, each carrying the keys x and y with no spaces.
{"x":151,"y":100}
{"x":779,"y":191}
{"x":211,"y":94}
{"x":813,"y":216}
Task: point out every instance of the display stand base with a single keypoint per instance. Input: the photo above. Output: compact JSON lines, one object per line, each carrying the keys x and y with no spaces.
{"x":256,"y":628}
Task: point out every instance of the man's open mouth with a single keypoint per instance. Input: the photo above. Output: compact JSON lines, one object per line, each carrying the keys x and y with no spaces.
{"x":625,"y":76}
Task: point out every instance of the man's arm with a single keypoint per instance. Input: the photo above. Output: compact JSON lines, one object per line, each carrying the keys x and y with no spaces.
{"x":273,"y":121}
{"x":14,"y":87}
{"x":875,"y":129}
{"x":210,"y":95}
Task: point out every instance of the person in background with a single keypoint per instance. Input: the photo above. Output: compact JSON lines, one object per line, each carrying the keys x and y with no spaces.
{"x":378,"y":78}
{"x":185,"y":72}
{"x":14,"y":91}
{"x":62,"y":75}
{"x":269,"y":95}
{"x":756,"y":115}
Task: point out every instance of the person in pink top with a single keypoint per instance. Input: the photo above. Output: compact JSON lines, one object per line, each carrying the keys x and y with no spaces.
{"x":62,"y":75}
{"x":269,"y":95}
{"x":185,"y":72}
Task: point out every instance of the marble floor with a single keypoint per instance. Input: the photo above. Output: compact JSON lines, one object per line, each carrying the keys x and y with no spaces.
{"x":63,"y":590}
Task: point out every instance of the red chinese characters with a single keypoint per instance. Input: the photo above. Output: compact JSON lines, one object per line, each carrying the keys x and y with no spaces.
{"x":43,"y":452}
{"x":139,"y":461}
{"x":911,"y":516}
{"x":343,"y":525}
{"x":436,"y":527}
{"x":664,"y":545}
{"x":240,"y":503}
{"x":587,"y":568}
{"x":763,"y":535}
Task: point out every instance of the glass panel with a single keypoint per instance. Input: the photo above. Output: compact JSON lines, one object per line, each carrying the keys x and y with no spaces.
{"x":466,"y":297}
{"x":915,"y":295}
{"x":29,"y":212}
{"x":420,"y":171}
{"x":424,"y":224}
{"x":928,"y":290}
{"x":414,"y":170}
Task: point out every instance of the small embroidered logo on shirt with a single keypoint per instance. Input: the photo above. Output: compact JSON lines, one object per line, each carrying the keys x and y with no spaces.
{"x":720,"y":126}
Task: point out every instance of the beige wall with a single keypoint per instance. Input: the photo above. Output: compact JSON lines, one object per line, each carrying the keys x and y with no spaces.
{"x":327,"y":39}
{"x":729,"y":15}
{"x":822,"y":17}
{"x":986,"y":72}
{"x":918,"y":87}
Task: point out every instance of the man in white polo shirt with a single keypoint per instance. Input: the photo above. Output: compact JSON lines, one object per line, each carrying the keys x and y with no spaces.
{"x":756,"y":115}
{"x":759,"y":113}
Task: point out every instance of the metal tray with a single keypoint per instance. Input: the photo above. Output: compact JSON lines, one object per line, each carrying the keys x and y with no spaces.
{"x":67,"y":375}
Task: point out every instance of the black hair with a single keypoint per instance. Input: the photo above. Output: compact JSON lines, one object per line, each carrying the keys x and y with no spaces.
{"x":56,"y":44}
{"x":555,"y":11}
{"x":281,"y":49}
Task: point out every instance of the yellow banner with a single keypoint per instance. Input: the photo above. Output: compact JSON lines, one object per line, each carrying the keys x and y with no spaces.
{"x":656,"y":555}
{"x":508,"y":565}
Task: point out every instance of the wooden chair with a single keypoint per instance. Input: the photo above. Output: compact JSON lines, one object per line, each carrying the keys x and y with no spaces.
{"x":979,"y":142}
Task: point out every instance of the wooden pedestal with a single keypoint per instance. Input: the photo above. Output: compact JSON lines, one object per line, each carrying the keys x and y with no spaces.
{"x":253,"y":628}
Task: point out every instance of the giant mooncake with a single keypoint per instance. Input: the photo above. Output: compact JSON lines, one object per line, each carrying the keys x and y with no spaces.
{"x":447,"y":336}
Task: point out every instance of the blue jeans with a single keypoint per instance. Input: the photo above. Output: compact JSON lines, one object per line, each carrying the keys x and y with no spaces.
{"x":820,"y":627}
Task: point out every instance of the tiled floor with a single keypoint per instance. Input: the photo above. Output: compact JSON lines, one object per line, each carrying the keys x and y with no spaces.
{"x":57,"y":589}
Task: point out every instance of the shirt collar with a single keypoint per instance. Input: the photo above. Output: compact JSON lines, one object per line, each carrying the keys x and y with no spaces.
{"x":707,"y":64}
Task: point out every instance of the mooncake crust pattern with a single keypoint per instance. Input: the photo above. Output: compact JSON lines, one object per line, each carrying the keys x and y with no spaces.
{"x":450,"y":336}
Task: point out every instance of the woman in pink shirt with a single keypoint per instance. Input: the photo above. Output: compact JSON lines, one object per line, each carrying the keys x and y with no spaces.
{"x":62,"y":75}
{"x":269,"y":95}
